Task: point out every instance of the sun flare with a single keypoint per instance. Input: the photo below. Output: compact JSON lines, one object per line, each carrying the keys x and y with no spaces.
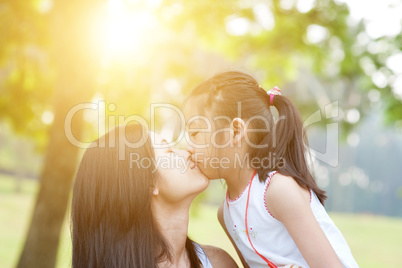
{"x":125,"y":28}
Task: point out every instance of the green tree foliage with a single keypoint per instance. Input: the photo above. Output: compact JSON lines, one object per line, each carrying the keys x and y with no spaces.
{"x":25,"y":74}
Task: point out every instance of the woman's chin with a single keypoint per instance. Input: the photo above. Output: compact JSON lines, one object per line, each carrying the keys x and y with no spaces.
{"x":204,"y":184}
{"x":198,"y":173}
{"x":209,"y":174}
{"x":199,"y":176}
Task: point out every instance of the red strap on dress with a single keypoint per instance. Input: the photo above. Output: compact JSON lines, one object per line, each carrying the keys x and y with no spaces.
{"x":270,"y":264}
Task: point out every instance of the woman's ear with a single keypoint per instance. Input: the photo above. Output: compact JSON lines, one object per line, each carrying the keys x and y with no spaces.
{"x":238,"y":130}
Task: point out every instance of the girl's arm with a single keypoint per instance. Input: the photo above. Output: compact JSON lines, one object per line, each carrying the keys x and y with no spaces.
{"x":222,"y":222}
{"x":290,"y":203}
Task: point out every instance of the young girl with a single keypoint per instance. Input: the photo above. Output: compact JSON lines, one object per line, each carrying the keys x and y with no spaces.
{"x":273,"y":212}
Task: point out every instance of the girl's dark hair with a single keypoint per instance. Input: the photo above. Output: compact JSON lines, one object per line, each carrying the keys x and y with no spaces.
{"x":285,"y":140}
{"x":112,"y":220}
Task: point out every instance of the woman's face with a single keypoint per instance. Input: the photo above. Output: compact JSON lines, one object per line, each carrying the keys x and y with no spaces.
{"x":179,"y":177}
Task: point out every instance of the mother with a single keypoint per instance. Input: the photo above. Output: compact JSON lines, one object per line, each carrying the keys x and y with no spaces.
{"x":128,"y":211}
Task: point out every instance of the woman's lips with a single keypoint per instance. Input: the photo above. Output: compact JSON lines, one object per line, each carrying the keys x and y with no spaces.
{"x":192,"y":164}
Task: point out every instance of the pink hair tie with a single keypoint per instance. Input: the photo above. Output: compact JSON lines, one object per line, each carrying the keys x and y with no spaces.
{"x":274,"y":91}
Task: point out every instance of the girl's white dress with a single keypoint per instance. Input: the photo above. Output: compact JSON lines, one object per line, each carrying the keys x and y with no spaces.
{"x":269,"y":236}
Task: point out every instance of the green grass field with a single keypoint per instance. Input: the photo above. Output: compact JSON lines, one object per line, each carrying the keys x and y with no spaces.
{"x":375,"y":241}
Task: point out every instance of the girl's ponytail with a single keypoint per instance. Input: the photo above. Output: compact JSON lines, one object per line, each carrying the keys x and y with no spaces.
{"x":287,"y":146}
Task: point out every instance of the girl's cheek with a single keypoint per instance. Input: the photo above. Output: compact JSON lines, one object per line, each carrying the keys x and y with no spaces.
{"x":222,"y":139}
{"x":211,"y":151}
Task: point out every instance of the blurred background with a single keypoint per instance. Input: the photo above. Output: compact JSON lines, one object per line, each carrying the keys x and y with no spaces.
{"x":117,"y":57}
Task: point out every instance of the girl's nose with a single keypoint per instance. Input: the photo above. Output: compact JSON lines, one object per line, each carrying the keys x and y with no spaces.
{"x":183,"y":153}
{"x":190,"y":150}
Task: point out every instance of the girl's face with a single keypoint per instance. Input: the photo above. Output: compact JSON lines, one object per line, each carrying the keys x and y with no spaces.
{"x":208,"y":145}
{"x":179,"y":176}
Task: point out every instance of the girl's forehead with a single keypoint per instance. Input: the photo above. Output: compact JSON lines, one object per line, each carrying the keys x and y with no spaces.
{"x":191,"y":112}
{"x":190,"y":108}
{"x":195,"y":105}
{"x":195,"y":116}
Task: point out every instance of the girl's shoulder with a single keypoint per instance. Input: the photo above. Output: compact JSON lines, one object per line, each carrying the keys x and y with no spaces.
{"x":283,"y":193}
{"x":280,"y":184}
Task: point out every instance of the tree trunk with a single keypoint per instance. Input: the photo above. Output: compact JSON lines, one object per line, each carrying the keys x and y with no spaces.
{"x":40,"y":249}
{"x":75,"y":65}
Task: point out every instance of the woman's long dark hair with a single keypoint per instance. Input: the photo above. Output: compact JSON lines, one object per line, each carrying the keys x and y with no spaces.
{"x":285,"y":141}
{"x":112,"y":220}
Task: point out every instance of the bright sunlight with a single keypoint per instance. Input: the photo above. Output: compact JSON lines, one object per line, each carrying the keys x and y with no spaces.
{"x":125,"y":28}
